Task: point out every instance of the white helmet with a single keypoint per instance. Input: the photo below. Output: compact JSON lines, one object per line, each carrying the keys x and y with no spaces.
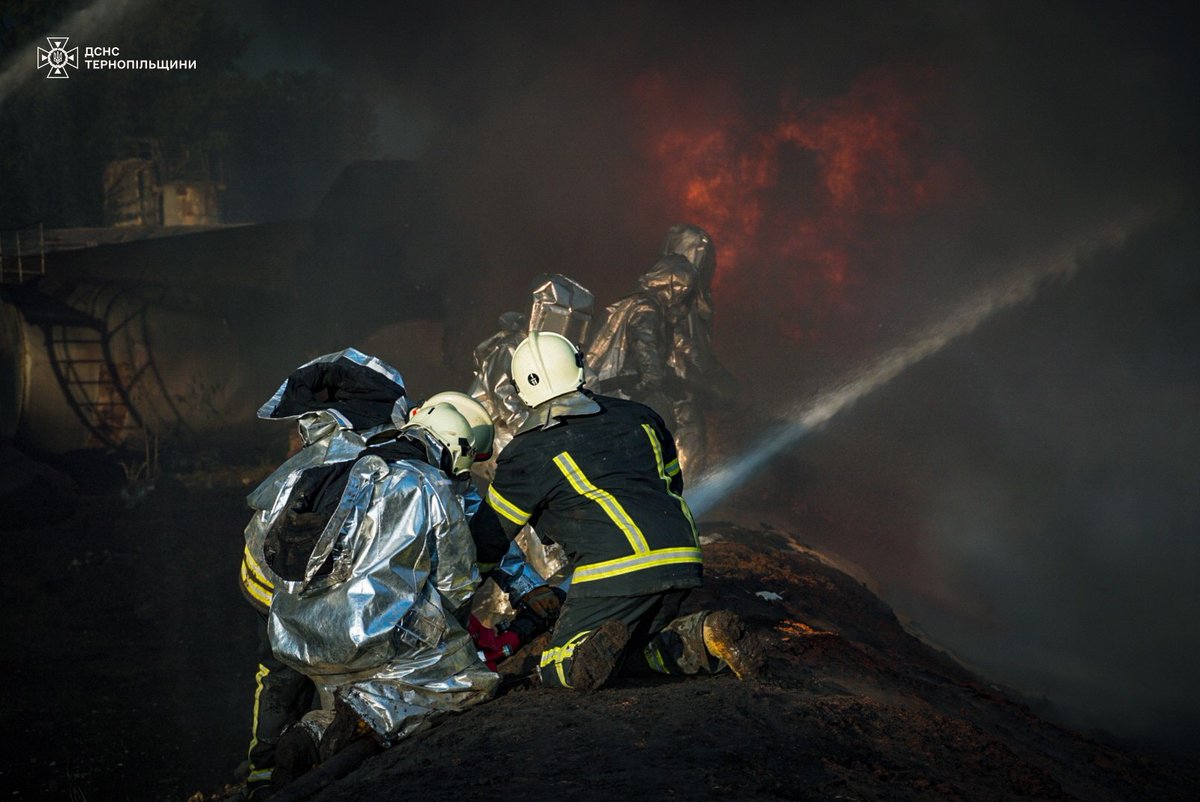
{"x":544,"y":366}
{"x":482,"y":429}
{"x":451,"y":429}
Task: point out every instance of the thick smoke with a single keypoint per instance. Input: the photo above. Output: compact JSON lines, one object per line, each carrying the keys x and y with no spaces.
{"x":1023,"y":495}
{"x":1026,"y":495}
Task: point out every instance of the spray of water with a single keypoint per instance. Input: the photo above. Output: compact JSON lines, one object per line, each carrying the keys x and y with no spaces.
{"x":81,"y":27}
{"x":1020,"y":283}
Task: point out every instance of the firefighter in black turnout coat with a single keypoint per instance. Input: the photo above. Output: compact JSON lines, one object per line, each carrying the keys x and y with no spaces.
{"x":601,"y":477}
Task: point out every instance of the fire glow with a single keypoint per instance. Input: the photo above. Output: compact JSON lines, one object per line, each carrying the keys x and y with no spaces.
{"x":807,"y":203}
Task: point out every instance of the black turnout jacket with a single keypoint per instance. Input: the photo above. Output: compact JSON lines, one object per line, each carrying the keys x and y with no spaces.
{"x":600,"y":476}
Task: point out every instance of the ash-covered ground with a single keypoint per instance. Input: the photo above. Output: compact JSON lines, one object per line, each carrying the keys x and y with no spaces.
{"x":131,"y":663}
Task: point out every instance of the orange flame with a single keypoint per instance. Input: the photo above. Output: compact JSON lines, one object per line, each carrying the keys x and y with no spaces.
{"x":801,"y":205}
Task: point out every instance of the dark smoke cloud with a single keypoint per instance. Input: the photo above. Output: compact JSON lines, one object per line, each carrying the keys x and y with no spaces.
{"x":1027,"y":495}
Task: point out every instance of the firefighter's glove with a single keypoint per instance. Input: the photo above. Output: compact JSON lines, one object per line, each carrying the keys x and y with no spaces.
{"x":543,"y":602}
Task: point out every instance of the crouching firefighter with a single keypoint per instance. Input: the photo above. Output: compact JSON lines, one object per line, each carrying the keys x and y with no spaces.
{"x":375,"y":605}
{"x":339,"y":401}
{"x":601,"y":477}
{"x":342,"y":402}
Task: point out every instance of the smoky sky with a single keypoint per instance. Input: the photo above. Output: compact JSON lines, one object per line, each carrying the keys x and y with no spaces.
{"x":1027,"y":495}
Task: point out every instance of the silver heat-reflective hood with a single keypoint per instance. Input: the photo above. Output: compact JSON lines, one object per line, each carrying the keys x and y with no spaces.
{"x":373,"y":622}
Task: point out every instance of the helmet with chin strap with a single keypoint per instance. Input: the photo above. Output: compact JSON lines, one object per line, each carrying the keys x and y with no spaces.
{"x":447,"y":426}
{"x":482,"y":429}
{"x":544,"y":366}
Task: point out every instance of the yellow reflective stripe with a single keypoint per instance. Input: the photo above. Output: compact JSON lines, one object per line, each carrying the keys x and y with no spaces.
{"x":654,"y":659}
{"x":559,"y":654}
{"x":257,"y":574}
{"x":637,"y":562}
{"x":260,"y":775}
{"x":253,"y":586}
{"x":664,"y":472}
{"x":506,"y":508}
{"x":258,"y":686}
{"x":612,"y":508}
{"x":672,"y":467}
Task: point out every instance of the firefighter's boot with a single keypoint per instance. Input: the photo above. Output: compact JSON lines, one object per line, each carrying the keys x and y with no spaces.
{"x":598,"y":658}
{"x":725,"y":639}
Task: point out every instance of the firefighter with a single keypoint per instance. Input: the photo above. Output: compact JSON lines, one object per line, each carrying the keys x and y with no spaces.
{"x":375,"y":609}
{"x":705,"y":382}
{"x":341,"y":402}
{"x":633,"y":353}
{"x":559,"y":304}
{"x":600,"y":476}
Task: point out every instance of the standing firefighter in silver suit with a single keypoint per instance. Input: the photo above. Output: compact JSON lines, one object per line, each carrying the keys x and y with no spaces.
{"x":704,"y":379}
{"x":631,"y":355}
{"x":375,"y":608}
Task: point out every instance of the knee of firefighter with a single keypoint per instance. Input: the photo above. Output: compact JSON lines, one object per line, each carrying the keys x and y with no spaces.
{"x":690,"y":654}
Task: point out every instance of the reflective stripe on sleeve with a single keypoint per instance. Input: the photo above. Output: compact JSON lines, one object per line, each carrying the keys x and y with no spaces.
{"x":612,"y":508}
{"x":506,"y":508}
{"x":255,"y":582}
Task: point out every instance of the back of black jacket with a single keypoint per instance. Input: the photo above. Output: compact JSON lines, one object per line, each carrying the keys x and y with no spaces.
{"x":607,"y":487}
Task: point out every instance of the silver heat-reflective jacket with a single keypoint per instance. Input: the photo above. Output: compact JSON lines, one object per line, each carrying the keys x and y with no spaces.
{"x":328,"y":436}
{"x":492,"y":385}
{"x":631,"y":353}
{"x":692,"y":355}
{"x":373,"y":622}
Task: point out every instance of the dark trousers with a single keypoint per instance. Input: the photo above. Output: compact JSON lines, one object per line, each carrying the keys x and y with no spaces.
{"x":660,"y":641}
{"x":282,"y":696}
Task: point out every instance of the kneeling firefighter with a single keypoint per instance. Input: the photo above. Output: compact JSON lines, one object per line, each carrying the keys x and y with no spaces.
{"x":375,"y":606}
{"x":342,"y":403}
{"x":601,"y":476}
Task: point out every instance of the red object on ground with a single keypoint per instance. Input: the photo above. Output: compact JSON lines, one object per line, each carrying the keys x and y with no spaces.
{"x":494,"y":647}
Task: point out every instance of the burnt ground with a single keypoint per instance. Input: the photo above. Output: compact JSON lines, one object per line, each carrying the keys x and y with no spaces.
{"x":130,"y":663}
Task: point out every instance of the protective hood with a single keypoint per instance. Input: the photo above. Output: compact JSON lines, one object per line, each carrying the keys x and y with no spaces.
{"x":561,"y":305}
{"x":693,"y":243}
{"x":672,"y":280}
{"x":353,"y":390}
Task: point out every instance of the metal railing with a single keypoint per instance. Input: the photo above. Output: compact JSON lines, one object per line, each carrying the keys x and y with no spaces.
{"x":17,"y":262}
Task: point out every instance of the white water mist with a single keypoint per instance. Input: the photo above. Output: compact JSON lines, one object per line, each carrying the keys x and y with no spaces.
{"x":1020,"y":283}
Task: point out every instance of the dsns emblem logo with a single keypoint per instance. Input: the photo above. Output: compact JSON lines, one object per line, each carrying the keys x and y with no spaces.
{"x":533,"y":379}
{"x":58,"y":58}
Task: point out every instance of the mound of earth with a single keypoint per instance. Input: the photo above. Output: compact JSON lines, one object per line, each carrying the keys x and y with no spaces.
{"x":131,"y":663}
{"x":850,"y":706}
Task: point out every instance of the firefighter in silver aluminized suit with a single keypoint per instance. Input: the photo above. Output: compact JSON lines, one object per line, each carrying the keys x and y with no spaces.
{"x":705,"y":379}
{"x":631,"y":355}
{"x":340,"y":401}
{"x":376,"y":617}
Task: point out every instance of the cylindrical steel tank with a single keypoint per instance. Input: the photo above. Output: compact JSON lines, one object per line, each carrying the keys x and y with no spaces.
{"x":106,"y":364}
